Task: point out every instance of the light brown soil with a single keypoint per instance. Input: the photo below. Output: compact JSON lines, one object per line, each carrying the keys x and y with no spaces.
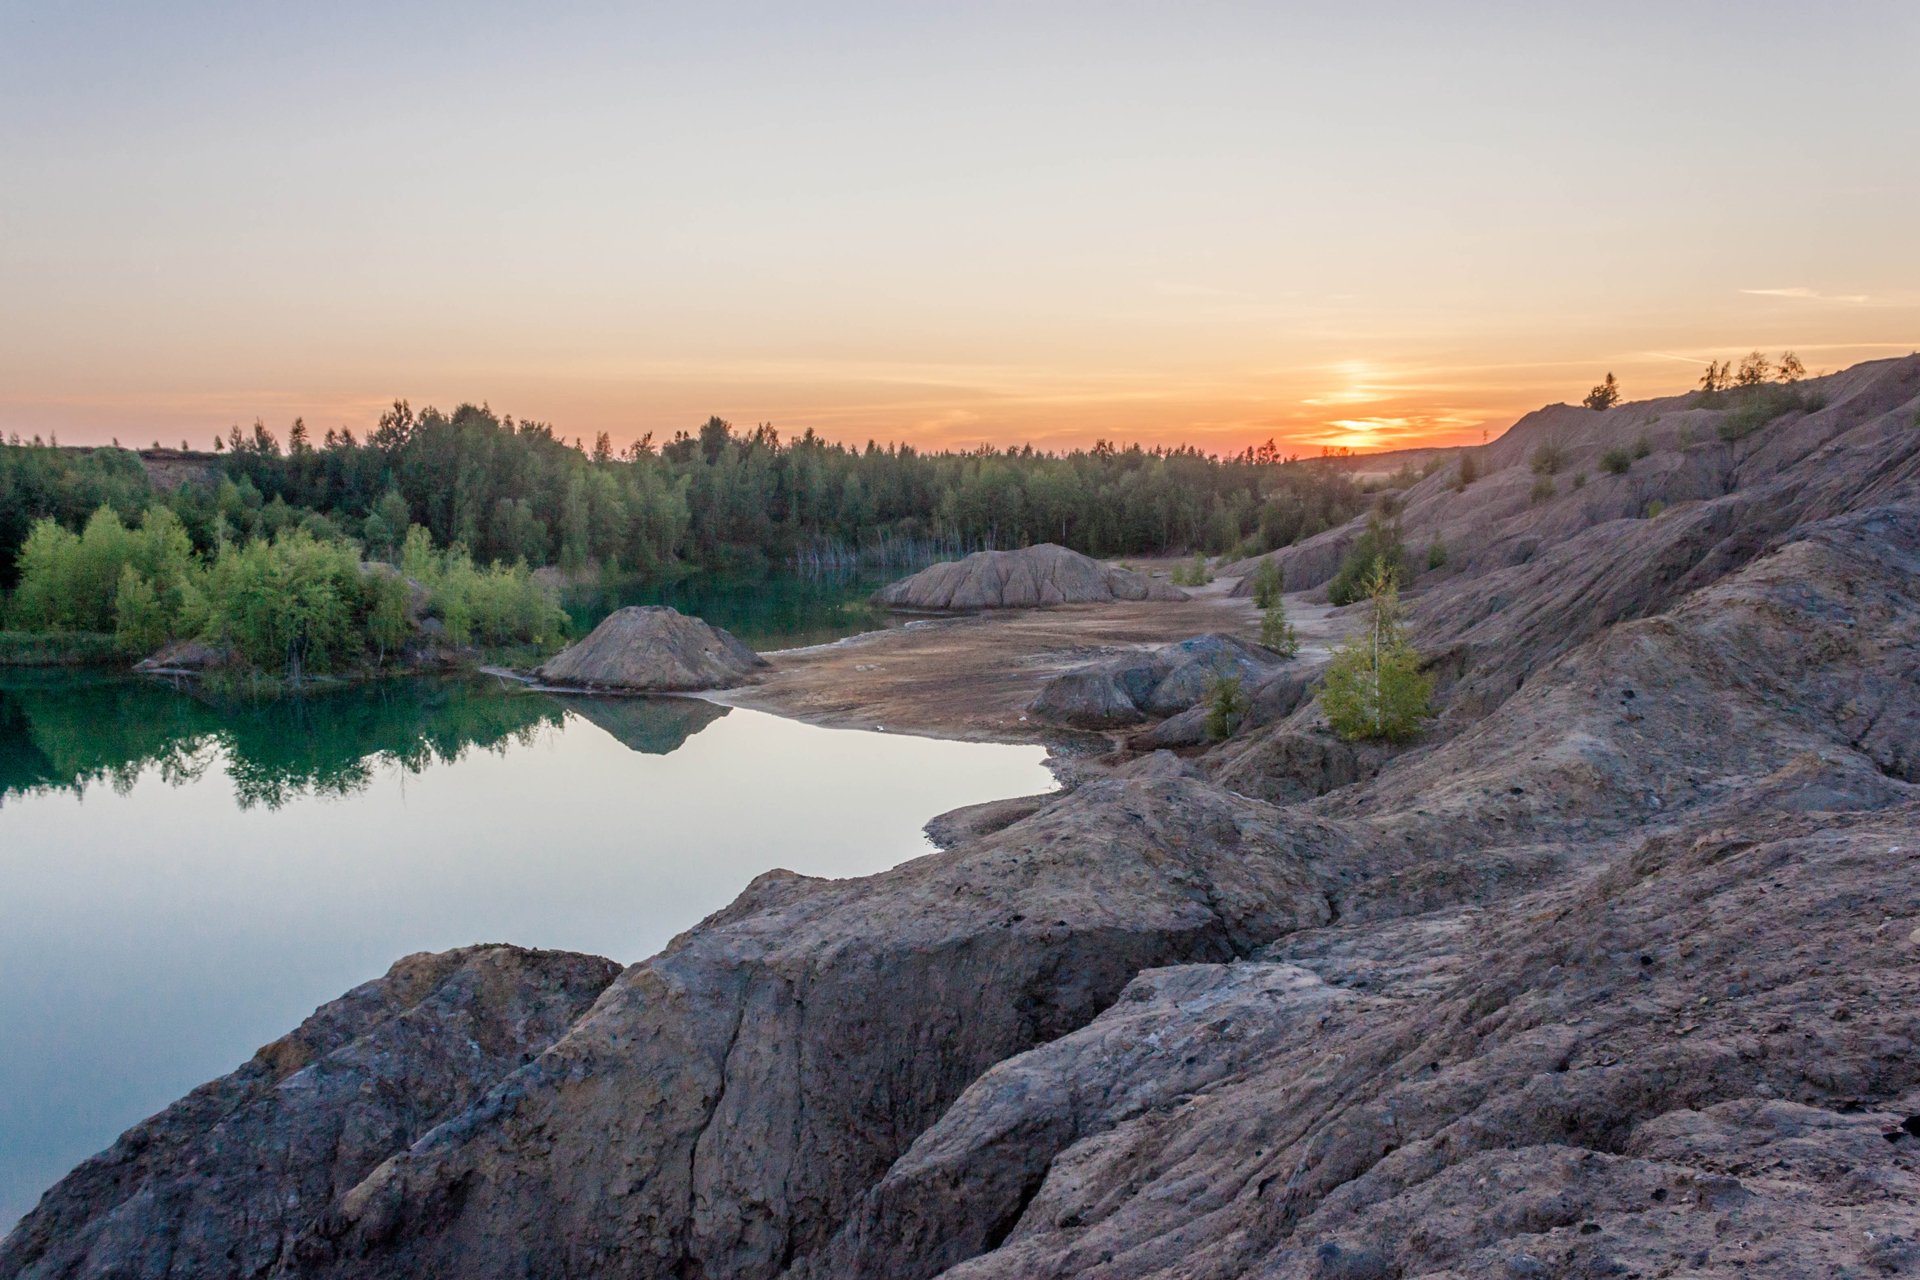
{"x":972,"y":677}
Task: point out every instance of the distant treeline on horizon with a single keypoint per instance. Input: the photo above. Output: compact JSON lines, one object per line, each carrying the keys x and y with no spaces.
{"x":717,"y":499}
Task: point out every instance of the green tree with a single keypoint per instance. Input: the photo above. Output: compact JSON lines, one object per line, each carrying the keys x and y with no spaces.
{"x":1374,"y":687}
{"x":1226,"y":706}
{"x":1469,"y":469}
{"x":1754,"y":370}
{"x":1269,"y":582}
{"x":1276,"y":632}
{"x":1604,"y":396}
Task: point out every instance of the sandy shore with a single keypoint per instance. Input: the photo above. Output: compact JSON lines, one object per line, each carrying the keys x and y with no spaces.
{"x":972,"y":677}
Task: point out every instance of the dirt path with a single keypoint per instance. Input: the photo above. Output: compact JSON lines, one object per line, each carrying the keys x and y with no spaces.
{"x":972,"y":677}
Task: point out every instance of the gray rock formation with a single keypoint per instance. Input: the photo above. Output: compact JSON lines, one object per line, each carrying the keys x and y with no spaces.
{"x":1128,"y":688}
{"x":1032,"y":577}
{"x":223,"y":1181}
{"x":652,"y":649}
{"x":1495,"y":522}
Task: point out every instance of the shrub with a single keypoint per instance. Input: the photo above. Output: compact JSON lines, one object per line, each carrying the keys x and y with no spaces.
{"x":1579,"y":479}
{"x":1755,"y":405}
{"x":1226,"y":707}
{"x":1469,"y":469}
{"x":67,"y":649}
{"x":1615,"y":462}
{"x":1379,"y":543}
{"x":1543,"y":490}
{"x":1654,"y":508}
{"x":1374,"y":687}
{"x":1436,"y":554}
{"x":1548,"y":459}
{"x":1604,"y":396}
{"x":1268,"y":584}
{"x":1642,"y":446}
{"x":1194,"y":573}
{"x":1276,"y":633}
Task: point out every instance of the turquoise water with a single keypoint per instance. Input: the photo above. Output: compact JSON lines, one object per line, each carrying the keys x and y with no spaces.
{"x":776,"y":611}
{"x":182,"y":882}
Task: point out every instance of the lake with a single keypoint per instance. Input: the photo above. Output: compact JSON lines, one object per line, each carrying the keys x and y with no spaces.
{"x":182,"y":882}
{"x":780,"y":610}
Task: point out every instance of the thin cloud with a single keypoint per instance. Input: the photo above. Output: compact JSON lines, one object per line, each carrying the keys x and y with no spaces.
{"x":1809,"y":295}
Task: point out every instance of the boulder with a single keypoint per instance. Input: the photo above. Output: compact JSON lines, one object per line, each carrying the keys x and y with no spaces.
{"x":1030,"y":578}
{"x":185,"y":657}
{"x":1151,"y":682}
{"x":1092,"y":698}
{"x":652,"y":649}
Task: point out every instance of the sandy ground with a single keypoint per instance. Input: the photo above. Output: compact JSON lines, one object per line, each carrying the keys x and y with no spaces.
{"x":971,"y":677}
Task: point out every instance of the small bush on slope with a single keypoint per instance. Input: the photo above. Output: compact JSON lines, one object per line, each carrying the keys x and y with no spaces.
{"x":1374,"y":687}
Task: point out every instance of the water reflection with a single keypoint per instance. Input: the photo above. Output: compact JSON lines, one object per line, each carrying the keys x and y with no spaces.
{"x":71,"y":733}
{"x":182,"y":881}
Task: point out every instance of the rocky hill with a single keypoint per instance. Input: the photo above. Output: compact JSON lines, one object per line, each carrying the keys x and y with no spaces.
{"x":1615,"y":972}
{"x":652,"y":649}
{"x":1032,"y":577}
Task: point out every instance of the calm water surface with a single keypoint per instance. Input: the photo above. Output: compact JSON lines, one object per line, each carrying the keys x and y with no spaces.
{"x":181,"y":883}
{"x":779,"y":610}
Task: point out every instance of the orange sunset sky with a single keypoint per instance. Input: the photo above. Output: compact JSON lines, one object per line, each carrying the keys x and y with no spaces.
{"x":1372,"y":226}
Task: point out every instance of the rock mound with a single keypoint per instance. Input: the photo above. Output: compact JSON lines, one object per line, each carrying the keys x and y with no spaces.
{"x":652,"y":649}
{"x":1030,"y":578}
{"x":1153,"y":682}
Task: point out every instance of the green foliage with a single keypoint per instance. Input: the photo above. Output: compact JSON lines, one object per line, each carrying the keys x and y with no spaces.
{"x":290,"y":607}
{"x":1469,"y":469}
{"x":1436,"y":554}
{"x":385,"y":526}
{"x":66,"y":649}
{"x":1226,"y":706}
{"x":1276,"y":633}
{"x":1754,"y":370}
{"x":727,"y":499}
{"x":1642,"y":446}
{"x":38,"y":482}
{"x":1616,"y":462}
{"x":1374,"y":687}
{"x":286,"y":607}
{"x":1268,"y":584}
{"x":496,"y":605}
{"x":1604,"y":396}
{"x":1194,"y":573}
{"x":1543,"y":490}
{"x":1755,"y":405}
{"x":1548,"y":458}
{"x":1379,"y":543}
{"x":1654,"y":508}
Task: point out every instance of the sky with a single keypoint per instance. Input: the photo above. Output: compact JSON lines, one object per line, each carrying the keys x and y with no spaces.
{"x":1362,"y":224}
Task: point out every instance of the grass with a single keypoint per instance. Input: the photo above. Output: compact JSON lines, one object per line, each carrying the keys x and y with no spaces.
{"x":58,"y":649}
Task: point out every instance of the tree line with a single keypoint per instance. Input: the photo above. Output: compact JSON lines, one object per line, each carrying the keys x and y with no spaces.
{"x":716,"y":499}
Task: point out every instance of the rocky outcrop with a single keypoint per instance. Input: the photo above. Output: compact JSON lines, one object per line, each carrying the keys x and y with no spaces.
{"x":1030,"y":578}
{"x":726,"y":1102}
{"x":1613,"y":972}
{"x":1128,"y":688}
{"x":1499,"y":521}
{"x":652,"y":649}
{"x":223,"y":1181}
